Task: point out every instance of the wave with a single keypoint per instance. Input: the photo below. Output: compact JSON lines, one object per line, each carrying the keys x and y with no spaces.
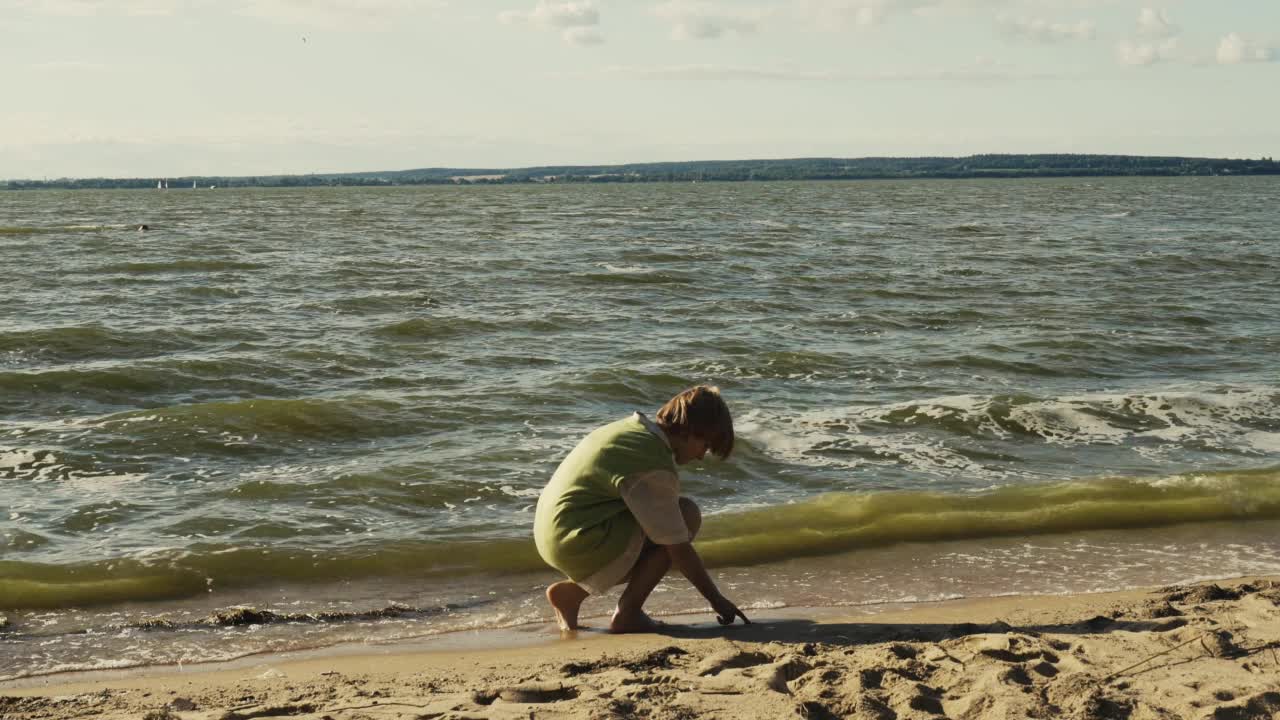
{"x":844,"y":521}
{"x":789,"y":364}
{"x":178,"y":266}
{"x":429,"y":328}
{"x":233,"y":422}
{"x":1240,"y":419}
{"x":34,"y":230}
{"x":631,"y":276}
{"x":179,"y":574}
{"x":835,"y":522}
{"x":621,"y":385}
{"x":969,"y":361}
{"x":971,"y":228}
{"x":85,"y":342}
{"x":123,"y":384}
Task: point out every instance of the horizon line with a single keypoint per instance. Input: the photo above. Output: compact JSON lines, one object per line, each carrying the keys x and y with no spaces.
{"x":517,"y":168}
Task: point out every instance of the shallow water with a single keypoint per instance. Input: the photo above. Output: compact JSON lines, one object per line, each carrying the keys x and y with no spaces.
{"x":335,"y":399}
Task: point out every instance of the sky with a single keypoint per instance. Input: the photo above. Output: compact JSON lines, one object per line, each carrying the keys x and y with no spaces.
{"x":167,"y":88}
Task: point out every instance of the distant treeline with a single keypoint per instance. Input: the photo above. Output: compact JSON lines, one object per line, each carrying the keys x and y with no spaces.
{"x":974,"y":166}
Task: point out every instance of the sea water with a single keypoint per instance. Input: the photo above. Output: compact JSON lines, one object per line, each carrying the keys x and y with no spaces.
{"x":294,"y":418}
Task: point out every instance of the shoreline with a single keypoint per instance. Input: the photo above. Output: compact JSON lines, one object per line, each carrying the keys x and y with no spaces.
{"x":970,"y":167}
{"x":1192,"y":648}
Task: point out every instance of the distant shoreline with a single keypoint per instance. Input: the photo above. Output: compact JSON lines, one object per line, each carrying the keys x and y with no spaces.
{"x":867,"y":168}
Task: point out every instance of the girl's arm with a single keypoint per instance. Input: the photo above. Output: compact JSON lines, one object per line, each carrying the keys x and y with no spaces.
{"x":685,"y":559}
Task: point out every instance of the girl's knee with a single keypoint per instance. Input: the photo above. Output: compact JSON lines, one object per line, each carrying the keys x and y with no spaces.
{"x":692,"y":516}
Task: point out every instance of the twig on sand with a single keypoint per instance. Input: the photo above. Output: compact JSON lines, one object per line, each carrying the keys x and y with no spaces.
{"x":1145,"y":660}
{"x":374,"y":705}
{"x":1205,"y":645}
{"x":1239,"y":653}
{"x":1246,"y":652}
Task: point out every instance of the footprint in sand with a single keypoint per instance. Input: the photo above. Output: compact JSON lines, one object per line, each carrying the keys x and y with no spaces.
{"x":730,"y":659}
{"x":539,"y":693}
{"x":1263,"y":706}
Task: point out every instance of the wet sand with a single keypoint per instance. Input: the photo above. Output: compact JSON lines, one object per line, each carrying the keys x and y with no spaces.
{"x":1191,"y":651}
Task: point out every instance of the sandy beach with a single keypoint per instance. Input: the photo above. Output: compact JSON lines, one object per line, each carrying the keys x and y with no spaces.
{"x":1210,"y":650}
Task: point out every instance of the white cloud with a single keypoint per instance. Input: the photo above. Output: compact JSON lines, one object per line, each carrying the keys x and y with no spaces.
{"x":1235,"y":49}
{"x":556,"y":14}
{"x":1155,"y":40}
{"x":1045,"y":31}
{"x":836,"y":14}
{"x":576,"y":20}
{"x":703,"y":21}
{"x":842,"y":13}
{"x":1153,"y":23}
{"x":1147,"y":53}
{"x":582,"y":36}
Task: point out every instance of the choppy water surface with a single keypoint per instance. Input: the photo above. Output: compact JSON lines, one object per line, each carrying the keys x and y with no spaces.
{"x":339,"y":405}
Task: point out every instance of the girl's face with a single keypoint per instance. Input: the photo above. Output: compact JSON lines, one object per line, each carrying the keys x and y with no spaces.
{"x":689,"y":448}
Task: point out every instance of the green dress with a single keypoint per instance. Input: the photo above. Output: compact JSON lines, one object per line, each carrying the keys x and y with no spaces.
{"x":582,"y":522}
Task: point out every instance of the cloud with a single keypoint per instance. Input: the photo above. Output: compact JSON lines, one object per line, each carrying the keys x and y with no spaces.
{"x":1140,"y":53}
{"x":838,"y":14}
{"x":576,"y":20}
{"x":1235,"y":49}
{"x":556,"y":14}
{"x":703,"y":21}
{"x":1045,"y":31}
{"x":1155,"y":40}
{"x":842,"y":13}
{"x":1153,"y":23}
{"x":582,"y":36}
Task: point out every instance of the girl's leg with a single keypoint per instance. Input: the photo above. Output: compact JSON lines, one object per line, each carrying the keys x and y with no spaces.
{"x":649,"y":570}
{"x":566,"y":599}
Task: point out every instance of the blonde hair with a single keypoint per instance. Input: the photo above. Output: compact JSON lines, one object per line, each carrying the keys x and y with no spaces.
{"x":700,"y":411}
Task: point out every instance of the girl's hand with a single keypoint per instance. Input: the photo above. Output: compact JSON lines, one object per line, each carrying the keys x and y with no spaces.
{"x":727,"y":612}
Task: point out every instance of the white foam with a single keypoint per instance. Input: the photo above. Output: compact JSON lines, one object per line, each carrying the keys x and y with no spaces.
{"x":1267,"y":442}
{"x":806,"y":435}
{"x":1064,"y":424}
{"x":100,"y":664}
{"x":791,"y":446}
{"x":1152,"y":425}
{"x":16,"y":458}
{"x":624,"y":269}
{"x":526,"y":493}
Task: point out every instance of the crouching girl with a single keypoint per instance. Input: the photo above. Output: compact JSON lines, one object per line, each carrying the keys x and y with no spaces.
{"x":612,"y":512}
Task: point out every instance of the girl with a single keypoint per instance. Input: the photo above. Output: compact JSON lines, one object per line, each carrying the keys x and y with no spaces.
{"x":613,"y":513}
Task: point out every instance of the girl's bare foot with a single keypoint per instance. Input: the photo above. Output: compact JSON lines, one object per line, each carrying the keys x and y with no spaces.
{"x":566,"y":599}
{"x":632,"y":622}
